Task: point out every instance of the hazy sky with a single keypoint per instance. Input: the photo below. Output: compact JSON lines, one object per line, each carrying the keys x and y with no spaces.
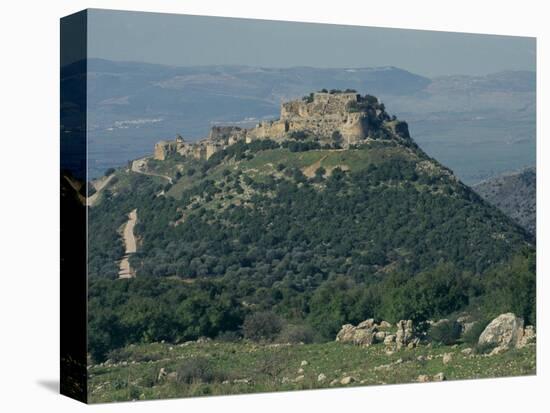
{"x":193,"y":40}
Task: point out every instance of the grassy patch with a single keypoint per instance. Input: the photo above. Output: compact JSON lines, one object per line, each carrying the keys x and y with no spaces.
{"x":215,"y":368}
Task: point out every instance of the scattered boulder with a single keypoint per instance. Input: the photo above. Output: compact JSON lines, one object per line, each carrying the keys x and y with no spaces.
{"x":347,"y":380}
{"x":346,"y":333}
{"x":363,"y":337}
{"x":384,"y":324}
{"x":334,"y":382}
{"x":447,"y":358}
{"x":498,"y":350}
{"x":304,"y":363}
{"x":504,"y":332}
{"x":299,"y":379}
{"x":321,"y":377}
{"x":241,"y":381}
{"x":439,"y":377}
{"x":300,"y":370}
{"x":389,"y":340}
{"x":423,"y":378}
{"x":383,"y":367}
{"x":162,"y":374}
{"x":367,"y":323}
{"x":529,"y":337}
{"x":465,"y":322}
{"x":405,"y":333}
{"x":467,"y":351}
{"x":380,"y":336}
{"x":413,"y":343}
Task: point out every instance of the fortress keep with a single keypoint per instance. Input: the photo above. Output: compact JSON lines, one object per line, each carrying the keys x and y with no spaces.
{"x":348,"y":118}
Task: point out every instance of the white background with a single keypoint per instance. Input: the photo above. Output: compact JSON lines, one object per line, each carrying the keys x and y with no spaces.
{"x":29,"y":206}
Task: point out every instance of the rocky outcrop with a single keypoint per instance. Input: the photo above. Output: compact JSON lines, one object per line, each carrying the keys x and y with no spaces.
{"x":369,"y":332}
{"x":366,"y":333}
{"x":529,"y":337}
{"x":404,"y":336}
{"x":506,"y":332}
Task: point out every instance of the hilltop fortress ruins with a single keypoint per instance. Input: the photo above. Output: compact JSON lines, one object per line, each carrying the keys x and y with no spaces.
{"x":344,"y":116}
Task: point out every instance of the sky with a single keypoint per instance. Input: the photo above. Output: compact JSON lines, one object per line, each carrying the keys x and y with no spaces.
{"x":183,"y":40}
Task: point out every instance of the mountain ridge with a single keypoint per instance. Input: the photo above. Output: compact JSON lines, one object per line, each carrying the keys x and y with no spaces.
{"x":515,"y":194}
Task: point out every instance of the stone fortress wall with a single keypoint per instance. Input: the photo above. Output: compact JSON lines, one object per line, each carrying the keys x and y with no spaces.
{"x":321,"y":115}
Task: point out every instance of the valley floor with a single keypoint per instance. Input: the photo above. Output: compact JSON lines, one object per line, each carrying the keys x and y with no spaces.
{"x":159,"y":370}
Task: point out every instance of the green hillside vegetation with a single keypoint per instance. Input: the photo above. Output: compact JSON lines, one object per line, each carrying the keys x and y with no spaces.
{"x":154,"y":371}
{"x":318,"y":236}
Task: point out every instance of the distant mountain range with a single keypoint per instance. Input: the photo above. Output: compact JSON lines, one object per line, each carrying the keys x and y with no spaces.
{"x":479,"y":126}
{"x":515,"y":194}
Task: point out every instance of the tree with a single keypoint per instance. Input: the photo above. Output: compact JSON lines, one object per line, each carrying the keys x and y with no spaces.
{"x":263,"y":325}
{"x":336,"y":137}
{"x":320,"y":173}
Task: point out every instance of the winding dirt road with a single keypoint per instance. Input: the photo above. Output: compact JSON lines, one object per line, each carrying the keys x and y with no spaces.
{"x":98,"y":186}
{"x":138,"y":167}
{"x":125,"y":271}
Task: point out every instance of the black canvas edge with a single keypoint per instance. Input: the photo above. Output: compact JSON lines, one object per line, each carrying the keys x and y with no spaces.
{"x":73,"y":218}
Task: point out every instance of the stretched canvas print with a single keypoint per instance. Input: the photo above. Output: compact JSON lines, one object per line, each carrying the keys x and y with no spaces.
{"x":255,"y":206}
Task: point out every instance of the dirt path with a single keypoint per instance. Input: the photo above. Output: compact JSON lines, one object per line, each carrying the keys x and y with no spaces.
{"x":309,"y":171}
{"x":130,"y":244}
{"x":138,"y":167}
{"x":98,"y":185}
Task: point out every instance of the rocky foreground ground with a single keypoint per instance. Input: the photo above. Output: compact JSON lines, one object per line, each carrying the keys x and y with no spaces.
{"x":162,"y":370}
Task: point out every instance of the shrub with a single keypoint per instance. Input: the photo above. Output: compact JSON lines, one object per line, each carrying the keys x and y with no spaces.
{"x":445,"y":332}
{"x":263,"y":325}
{"x":297,"y":334}
{"x":109,"y":171}
{"x":198,"y":369}
{"x":299,"y":135}
{"x":149,"y":378}
{"x":320,"y":172}
{"x":308,"y":98}
{"x":229,"y":336}
{"x":272,"y":364}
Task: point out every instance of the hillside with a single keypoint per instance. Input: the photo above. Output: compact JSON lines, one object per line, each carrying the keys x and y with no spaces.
{"x":515,"y":194}
{"x":330,"y":214}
